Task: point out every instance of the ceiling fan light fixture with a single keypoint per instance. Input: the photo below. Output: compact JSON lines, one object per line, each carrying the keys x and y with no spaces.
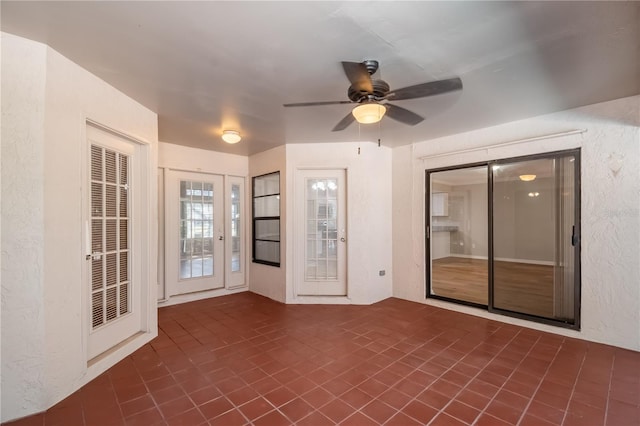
{"x":527,"y":178}
{"x":231,"y":136}
{"x":369,"y":113}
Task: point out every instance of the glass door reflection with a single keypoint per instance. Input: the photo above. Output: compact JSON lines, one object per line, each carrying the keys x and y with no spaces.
{"x":458,"y":235}
{"x":534,"y":216}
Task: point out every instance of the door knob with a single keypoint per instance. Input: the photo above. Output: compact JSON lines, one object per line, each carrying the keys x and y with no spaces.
{"x":221,"y":237}
{"x":343,"y":239}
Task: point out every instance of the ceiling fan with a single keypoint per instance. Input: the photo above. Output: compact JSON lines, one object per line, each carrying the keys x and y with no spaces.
{"x":372,"y":96}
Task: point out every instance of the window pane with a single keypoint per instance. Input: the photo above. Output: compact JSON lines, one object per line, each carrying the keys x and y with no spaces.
{"x":266,"y":185}
{"x":459,"y":237}
{"x":266,"y":206}
{"x":268,"y":229}
{"x":534,"y":211}
{"x":236,"y":241}
{"x":268,"y":251}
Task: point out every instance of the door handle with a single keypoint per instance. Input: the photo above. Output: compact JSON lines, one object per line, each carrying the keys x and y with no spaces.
{"x":221,"y":237}
{"x":343,"y":239}
{"x":575,"y":239}
{"x":96,"y":255}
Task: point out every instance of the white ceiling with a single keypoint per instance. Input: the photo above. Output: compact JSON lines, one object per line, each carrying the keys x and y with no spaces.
{"x":204,"y":66}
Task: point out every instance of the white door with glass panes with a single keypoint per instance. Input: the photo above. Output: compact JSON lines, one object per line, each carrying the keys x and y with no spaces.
{"x":321,"y":233}
{"x":113,"y":240}
{"x":194,"y":232}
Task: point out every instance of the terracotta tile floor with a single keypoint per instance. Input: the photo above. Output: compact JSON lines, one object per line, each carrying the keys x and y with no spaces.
{"x":244,"y":359}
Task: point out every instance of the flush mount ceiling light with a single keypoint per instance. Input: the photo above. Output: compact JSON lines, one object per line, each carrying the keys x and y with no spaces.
{"x":369,"y":113}
{"x":231,"y":136}
{"x":527,"y":178}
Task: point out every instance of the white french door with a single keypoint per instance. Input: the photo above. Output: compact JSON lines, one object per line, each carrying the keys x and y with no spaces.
{"x":321,"y":233}
{"x":112,"y":236}
{"x":194,"y":232}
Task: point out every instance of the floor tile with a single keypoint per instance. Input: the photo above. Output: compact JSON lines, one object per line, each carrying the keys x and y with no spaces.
{"x":296,"y":409}
{"x":238,"y":359}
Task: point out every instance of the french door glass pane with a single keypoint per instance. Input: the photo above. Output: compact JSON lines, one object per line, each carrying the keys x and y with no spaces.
{"x":533,"y":213}
{"x":236,"y":242}
{"x":322,"y":233}
{"x":196,"y":229}
{"x":459,"y":248}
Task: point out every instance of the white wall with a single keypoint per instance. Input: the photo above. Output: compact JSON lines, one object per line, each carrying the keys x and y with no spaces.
{"x":23,"y":328}
{"x":45,"y":102}
{"x":610,"y":210}
{"x":178,"y":157}
{"x":271,"y":281}
{"x":368,"y":216}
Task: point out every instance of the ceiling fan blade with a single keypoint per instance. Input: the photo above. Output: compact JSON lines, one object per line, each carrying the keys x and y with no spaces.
{"x":426,"y":89}
{"x":301,"y":104}
{"x":402,"y":115}
{"x":344,"y":123}
{"x":358,"y":76}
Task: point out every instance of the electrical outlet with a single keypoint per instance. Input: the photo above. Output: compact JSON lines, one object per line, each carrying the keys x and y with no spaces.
{"x":382,"y":273}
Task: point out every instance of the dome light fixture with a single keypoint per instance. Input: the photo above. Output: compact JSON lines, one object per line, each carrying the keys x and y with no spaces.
{"x":231,"y":136}
{"x":369,"y":112}
{"x":527,"y":178}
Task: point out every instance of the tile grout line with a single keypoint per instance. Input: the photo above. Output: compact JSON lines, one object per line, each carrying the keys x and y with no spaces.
{"x":479,"y":372}
{"x":573,"y":388}
{"x":606,"y":406}
{"x":540,"y":384}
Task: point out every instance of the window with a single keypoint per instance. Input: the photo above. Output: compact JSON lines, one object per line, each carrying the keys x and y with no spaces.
{"x":266,"y":219}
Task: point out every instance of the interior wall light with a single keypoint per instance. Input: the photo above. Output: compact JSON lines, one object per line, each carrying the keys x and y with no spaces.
{"x":231,"y":136}
{"x":369,"y":113}
{"x":527,"y":178}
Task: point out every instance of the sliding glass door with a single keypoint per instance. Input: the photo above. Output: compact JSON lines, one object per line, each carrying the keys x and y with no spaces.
{"x":505,"y":235}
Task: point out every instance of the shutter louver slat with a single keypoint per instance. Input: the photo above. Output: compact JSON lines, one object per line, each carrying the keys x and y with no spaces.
{"x":96,"y":274}
{"x":96,"y":163}
{"x":124,"y":298}
{"x":111,"y":201}
{"x":124,"y":266}
{"x":110,"y":166}
{"x":124,"y":234}
{"x":96,"y":199}
{"x":96,"y":235}
{"x":124,"y":203}
{"x":112,"y":303}
{"x":111,"y":235}
{"x":97,"y":309}
{"x":124,"y":170}
{"x":112,"y":273}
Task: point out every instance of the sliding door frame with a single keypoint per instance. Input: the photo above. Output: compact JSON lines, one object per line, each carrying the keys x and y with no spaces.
{"x":576,"y":237}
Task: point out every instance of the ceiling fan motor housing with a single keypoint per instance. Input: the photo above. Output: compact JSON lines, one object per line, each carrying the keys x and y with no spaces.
{"x":380,"y":90}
